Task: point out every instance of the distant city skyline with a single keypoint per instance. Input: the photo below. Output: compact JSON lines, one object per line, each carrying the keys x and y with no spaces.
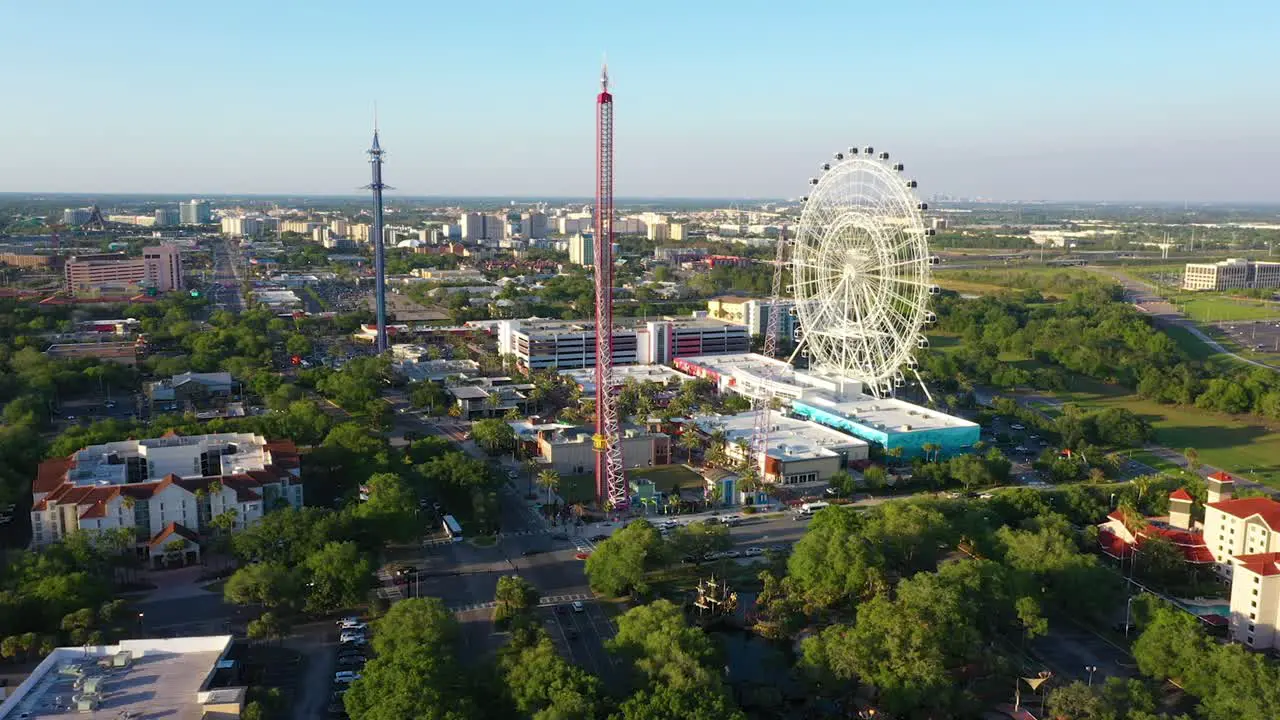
{"x":1095,"y":101}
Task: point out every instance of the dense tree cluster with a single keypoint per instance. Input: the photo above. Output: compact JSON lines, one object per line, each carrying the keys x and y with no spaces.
{"x":619,"y":564}
{"x":1231,"y":682}
{"x":62,"y":595}
{"x":1093,"y":335}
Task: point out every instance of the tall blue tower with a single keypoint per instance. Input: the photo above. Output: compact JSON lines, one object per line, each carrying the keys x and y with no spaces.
{"x":379,"y":260}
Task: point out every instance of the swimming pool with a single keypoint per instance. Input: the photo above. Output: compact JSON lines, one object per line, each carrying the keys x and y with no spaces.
{"x":1222,"y":609}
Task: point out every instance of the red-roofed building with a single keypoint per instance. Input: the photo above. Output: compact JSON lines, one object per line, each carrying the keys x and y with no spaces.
{"x":1120,"y":539}
{"x":1240,"y":538}
{"x":157,"y":484}
{"x":174,"y":545}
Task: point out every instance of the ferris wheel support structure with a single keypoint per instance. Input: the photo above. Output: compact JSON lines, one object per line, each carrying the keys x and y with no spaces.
{"x":862,"y":271}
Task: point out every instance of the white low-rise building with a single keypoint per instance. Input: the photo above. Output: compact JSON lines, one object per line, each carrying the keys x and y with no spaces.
{"x":798,"y":452}
{"x":162,"y":487}
{"x":179,"y":678}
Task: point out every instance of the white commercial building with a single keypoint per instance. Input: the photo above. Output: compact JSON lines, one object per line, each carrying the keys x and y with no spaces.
{"x":165,"y":486}
{"x":569,"y":344}
{"x":837,"y":403}
{"x":798,"y":452}
{"x":1231,"y":274}
{"x":179,"y":678}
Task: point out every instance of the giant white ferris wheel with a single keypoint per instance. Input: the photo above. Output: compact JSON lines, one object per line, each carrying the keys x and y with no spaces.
{"x":862,"y":271}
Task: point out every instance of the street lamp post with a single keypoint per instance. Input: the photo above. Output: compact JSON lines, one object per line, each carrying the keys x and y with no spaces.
{"x":1128,"y":609}
{"x":140,"y":625}
{"x":1092,"y":669}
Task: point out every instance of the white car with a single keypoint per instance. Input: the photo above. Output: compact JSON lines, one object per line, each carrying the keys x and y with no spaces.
{"x":356,"y":627}
{"x":346,"y":677}
{"x":578,"y":607}
{"x":753,"y":551}
{"x":349,"y":622}
{"x":353,"y":638}
{"x":731,"y":554}
{"x":1016,"y":426}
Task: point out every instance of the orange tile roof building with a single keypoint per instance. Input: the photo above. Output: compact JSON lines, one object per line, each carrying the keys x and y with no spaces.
{"x":1240,"y":538}
{"x":162,"y":486}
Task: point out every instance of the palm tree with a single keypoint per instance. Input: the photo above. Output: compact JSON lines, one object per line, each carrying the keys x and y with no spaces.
{"x":689,"y":442}
{"x":549,"y":479}
{"x":748,"y":483}
{"x":673,"y":502}
{"x":1193,"y":458}
{"x":895,"y":453}
{"x":491,"y":401}
{"x":530,"y":468}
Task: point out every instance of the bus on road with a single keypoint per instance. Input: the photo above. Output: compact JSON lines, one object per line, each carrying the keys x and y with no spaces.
{"x":452,"y":528}
{"x":810,"y":508}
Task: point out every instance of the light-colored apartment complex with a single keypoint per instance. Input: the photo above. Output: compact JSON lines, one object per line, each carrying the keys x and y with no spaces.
{"x":1231,"y":274}
{"x":754,"y":313}
{"x":582,"y":250}
{"x":164,"y":486}
{"x":195,"y":212}
{"x":160,"y":267}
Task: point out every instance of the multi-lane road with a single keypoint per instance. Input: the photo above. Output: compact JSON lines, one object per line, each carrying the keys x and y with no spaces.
{"x":465,"y":576}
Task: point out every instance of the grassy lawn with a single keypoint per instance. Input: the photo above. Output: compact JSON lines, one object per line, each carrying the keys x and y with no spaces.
{"x":966,"y":287}
{"x":1242,"y":446}
{"x":577,"y":488}
{"x":1194,"y":347}
{"x":1153,"y":461}
{"x":668,"y":477}
{"x":944,"y":342}
{"x":1216,"y":308}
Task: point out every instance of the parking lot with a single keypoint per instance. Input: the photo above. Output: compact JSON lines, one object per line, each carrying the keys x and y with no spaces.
{"x":1258,"y":335}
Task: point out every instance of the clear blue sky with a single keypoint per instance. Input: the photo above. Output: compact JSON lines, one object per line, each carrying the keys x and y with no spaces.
{"x":1115,"y":99}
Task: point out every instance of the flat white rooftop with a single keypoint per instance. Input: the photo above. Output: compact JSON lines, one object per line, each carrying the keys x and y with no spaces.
{"x":586,"y":377}
{"x":789,"y":438}
{"x":889,"y":415}
{"x":161,"y":678}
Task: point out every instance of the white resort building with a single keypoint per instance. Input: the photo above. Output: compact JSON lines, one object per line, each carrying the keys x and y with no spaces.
{"x":170,"y":489}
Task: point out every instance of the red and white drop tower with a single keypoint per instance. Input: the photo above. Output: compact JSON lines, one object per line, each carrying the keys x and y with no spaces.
{"x":611,"y":481}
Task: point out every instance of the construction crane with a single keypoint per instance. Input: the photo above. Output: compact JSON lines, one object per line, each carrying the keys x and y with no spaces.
{"x":762,"y":403}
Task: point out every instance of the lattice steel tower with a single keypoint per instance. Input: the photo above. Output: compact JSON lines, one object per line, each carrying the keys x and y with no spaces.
{"x":611,"y":481}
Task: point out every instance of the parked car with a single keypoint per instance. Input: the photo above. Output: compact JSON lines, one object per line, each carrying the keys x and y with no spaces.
{"x":346,"y":677}
{"x":1016,"y":426}
{"x":731,"y":554}
{"x":753,"y":551}
{"x":349,"y":621}
{"x":353,"y":638}
{"x":599,"y":538}
{"x":578,"y":607}
{"x":562,"y":609}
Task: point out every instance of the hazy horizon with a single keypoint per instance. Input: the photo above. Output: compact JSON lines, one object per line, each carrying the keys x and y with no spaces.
{"x":1136,"y":103}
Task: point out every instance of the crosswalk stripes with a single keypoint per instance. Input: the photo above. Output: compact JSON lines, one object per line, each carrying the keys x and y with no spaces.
{"x":547,"y":601}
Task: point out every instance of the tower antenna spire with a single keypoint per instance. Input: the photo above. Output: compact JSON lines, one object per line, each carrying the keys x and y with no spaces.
{"x":379,"y":254}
